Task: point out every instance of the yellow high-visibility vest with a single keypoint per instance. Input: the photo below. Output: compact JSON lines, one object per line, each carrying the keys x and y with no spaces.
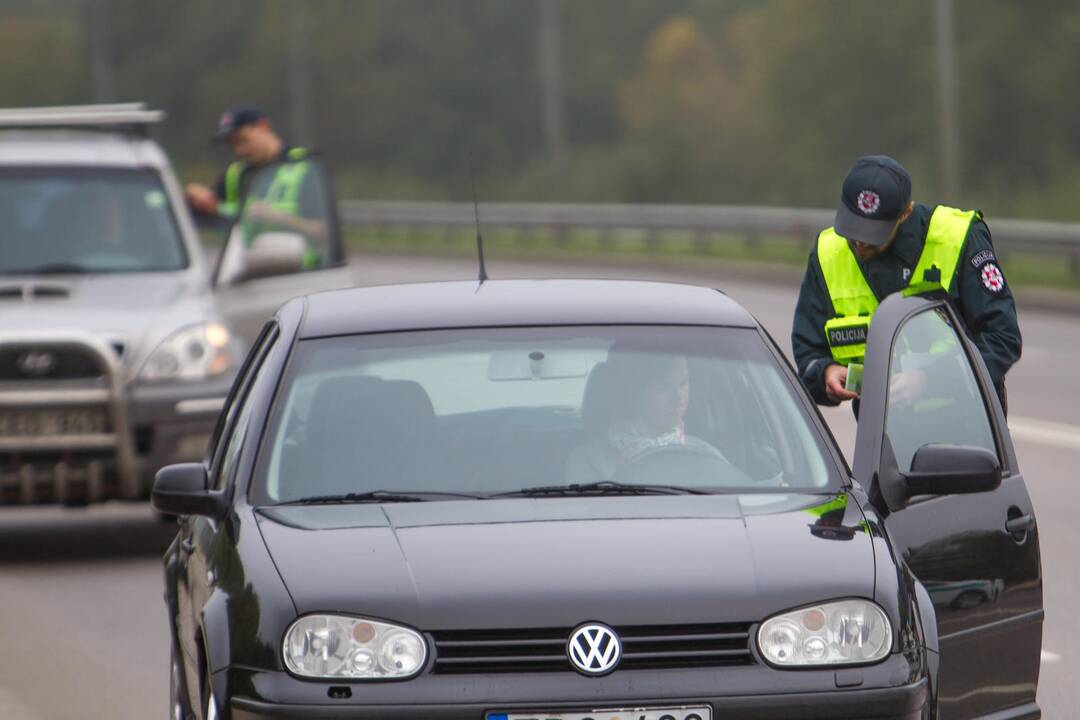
{"x":854,"y":302}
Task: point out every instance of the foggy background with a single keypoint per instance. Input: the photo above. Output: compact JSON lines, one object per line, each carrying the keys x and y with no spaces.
{"x":698,"y":101}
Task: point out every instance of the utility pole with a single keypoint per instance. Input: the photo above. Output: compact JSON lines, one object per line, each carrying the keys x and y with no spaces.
{"x":551,"y":80}
{"x":299,"y":74}
{"x":102,"y":83}
{"x":945,"y":11}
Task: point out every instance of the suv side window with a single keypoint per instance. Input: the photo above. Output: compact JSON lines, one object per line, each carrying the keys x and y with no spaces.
{"x":934,"y":395}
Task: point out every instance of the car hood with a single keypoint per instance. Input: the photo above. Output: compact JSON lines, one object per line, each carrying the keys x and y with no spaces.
{"x":560,"y":561}
{"x":136,"y":310}
{"x":108,"y":302}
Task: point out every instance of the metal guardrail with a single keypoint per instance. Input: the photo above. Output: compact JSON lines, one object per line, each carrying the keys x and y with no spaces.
{"x":1031,"y":236}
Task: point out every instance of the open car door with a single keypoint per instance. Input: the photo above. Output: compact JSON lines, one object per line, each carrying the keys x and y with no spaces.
{"x":934,"y":451}
{"x":286,"y":242}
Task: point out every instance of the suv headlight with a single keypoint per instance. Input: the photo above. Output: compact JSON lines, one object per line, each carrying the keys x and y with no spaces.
{"x":192,"y":353}
{"x":333,"y":646}
{"x":846,"y":632}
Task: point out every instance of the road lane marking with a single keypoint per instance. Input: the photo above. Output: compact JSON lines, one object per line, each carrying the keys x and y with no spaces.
{"x":1049,"y":657}
{"x":1045,"y":432}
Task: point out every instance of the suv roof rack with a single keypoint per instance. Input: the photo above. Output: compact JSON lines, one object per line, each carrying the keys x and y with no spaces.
{"x":122,"y":117}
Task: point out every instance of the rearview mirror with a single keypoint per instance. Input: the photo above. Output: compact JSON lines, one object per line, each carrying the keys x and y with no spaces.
{"x":182,"y":489}
{"x":951,"y":470}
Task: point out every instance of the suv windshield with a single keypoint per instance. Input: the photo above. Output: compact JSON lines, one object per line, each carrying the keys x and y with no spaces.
{"x":60,"y":220}
{"x":502,"y":410}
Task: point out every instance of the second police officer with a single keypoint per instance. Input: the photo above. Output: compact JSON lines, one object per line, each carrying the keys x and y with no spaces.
{"x":289,"y":199}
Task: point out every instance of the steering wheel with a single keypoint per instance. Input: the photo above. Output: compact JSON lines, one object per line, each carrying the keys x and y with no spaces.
{"x":676,"y":464}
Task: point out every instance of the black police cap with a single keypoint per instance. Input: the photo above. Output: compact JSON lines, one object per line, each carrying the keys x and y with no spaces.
{"x":876,"y":191}
{"x":235,"y":118}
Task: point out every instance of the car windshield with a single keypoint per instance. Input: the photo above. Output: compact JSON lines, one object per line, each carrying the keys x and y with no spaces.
{"x":497,"y":411}
{"x":82,"y":220}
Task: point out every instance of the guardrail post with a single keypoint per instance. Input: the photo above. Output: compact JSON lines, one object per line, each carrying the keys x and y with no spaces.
{"x":701,"y":241}
{"x":652,"y":240}
{"x":562,"y":235}
{"x":607,"y":238}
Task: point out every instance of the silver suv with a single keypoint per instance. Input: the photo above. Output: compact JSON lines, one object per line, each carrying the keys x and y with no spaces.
{"x":119,"y":335}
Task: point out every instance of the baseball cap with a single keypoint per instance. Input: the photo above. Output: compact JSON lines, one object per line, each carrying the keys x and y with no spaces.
{"x":875,"y":193}
{"x":235,"y":118}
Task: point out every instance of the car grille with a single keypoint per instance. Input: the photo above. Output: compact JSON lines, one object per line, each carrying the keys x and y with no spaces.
{"x":544,"y":650}
{"x":48,"y":362}
{"x":70,"y":478}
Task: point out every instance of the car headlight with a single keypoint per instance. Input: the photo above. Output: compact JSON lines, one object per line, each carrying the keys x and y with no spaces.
{"x":333,"y":646}
{"x":192,"y":353}
{"x":846,"y":632}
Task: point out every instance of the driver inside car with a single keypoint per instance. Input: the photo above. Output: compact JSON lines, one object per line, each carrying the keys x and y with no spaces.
{"x":646,"y":395}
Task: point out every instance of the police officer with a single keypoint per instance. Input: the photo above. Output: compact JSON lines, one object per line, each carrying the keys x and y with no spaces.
{"x":256,"y":144}
{"x":883,"y":242}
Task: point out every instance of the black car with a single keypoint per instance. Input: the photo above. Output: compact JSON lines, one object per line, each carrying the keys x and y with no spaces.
{"x":563,"y":500}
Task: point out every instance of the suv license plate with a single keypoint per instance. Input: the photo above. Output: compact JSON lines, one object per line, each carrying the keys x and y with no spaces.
{"x":36,"y":423}
{"x":672,"y":713}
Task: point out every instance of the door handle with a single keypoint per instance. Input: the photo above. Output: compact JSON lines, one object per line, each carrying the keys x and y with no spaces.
{"x":1020,"y":525}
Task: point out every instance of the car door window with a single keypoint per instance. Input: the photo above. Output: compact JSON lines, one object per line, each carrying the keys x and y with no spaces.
{"x":933,"y":395}
{"x":236,"y":393}
{"x":227,"y":470}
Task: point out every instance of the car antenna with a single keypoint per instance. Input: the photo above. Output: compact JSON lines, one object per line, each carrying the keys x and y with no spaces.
{"x":476,"y":213}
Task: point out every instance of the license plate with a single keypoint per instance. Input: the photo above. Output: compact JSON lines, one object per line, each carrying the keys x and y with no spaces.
{"x":34,"y":423}
{"x":671,"y":713}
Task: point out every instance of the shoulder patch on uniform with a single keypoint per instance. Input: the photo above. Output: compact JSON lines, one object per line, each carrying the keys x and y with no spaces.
{"x":992,"y":279}
{"x":981,"y":258}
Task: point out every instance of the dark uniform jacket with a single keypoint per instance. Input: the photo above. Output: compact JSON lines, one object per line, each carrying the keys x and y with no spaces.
{"x":979,"y":290}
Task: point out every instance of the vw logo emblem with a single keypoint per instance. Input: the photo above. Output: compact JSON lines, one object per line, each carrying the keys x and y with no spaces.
{"x":594,"y":649}
{"x":37,"y":363}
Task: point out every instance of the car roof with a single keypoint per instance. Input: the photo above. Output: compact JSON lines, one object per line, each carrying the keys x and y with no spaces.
{"x":89,"y":148}
{"x":517,"y":303}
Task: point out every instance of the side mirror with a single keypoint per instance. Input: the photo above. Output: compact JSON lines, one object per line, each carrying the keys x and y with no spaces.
{"x":182,"y":489}
{"x":273,"y":253}
{"x":951,"y":470}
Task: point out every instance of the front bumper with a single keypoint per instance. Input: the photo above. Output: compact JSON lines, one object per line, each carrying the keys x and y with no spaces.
{"x":147,"y":427}
{"x":900,"y":703}
{"x":894,"y":689}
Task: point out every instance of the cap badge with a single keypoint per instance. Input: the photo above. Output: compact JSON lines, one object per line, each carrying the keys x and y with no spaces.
{"x":869,"y":202}
{"x":226,"y":120}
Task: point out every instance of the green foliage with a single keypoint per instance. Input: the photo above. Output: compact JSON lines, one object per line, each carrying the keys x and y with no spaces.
{"x":712,"y":101}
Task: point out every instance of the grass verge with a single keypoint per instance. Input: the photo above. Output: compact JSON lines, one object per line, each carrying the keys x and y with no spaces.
{"x":1025,"y":270}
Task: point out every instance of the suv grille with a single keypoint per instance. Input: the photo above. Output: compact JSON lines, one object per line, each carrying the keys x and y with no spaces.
{"x":48,"y":362}
{"x":644,"y":647}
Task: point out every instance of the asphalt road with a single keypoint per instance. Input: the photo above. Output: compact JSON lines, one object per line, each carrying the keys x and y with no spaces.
{"x":83,"y":626}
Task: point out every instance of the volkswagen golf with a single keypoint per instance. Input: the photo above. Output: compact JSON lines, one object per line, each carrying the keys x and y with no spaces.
{"x":596,"y":500}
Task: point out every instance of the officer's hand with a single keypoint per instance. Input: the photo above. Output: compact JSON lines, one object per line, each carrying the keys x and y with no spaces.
{"x":201,"y":198}
{"x":835,"y":378}
{"x":907,"y":386}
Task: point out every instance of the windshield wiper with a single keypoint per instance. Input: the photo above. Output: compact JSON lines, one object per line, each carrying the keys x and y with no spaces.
{"x":603,"y":487}
{"x":59,"y":268}
{"x":378,"y":496}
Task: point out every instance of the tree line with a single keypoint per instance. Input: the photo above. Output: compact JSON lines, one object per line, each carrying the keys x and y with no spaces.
{"x":710,"y":101}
